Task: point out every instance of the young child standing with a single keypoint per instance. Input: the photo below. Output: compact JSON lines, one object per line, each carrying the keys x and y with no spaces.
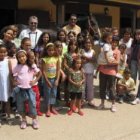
{"x":51,"y":73}
{"x":35,"y":87}
{"x":76,"y":85}
{"x":23,"y":75}
{"x":4,"y":81}
{"x":88,"y":66}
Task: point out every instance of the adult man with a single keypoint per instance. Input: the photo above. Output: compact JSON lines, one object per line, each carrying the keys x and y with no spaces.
{"x":72,"y":25}
{"x":31,"y":32}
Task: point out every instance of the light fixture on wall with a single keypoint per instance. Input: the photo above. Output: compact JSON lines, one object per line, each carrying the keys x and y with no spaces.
{"x":106,"y":11}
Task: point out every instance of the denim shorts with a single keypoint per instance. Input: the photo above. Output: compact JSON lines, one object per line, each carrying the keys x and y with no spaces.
{"x":21,"y":95}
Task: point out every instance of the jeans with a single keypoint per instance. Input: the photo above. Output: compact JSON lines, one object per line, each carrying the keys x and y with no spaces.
{"x":21,"y":96}
{"x":50,"y":93}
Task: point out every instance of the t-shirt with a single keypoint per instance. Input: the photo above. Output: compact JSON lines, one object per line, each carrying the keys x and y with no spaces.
{"x":101,"y":58}
{"x":24,"y":75}
{"x":69,"y":28}
{"x":129,"y":83}
{"x":51,"y":65}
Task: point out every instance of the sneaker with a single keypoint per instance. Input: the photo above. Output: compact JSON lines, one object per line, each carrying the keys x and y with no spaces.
{"x":113,"y":108}
{"x":48,"y":114}
{"x":35,"y":124}
{"x":121,"y":100}
{"x":101,"y":106}
{"x":70,"y":112}
{"x":23,"y":125}
{"x":39,"y":113}
{"x":136,"y":101}
{"x":54,"y":111}
{"x":80,"y":113}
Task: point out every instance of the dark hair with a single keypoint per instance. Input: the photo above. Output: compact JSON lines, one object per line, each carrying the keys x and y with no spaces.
{"x":2,"y":46}
{"x":40,"y":40}
{"x":73,"y":43}
{"x":122,"y":46}
{"x":9,"y":48}
{"x":19,"y":51}
{"x":127,"y":71}
{"x":24,"y":40}
{"x":59,"y":31}
{"x":57,"y":44}
{"x":105,"y":35}
{"x":45,"y":53}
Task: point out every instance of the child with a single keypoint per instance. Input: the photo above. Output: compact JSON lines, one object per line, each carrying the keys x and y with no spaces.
{"x":51,"y":73}
{"x":5,"y":70}
{"x":23,"y":75}
{"x":126,"y":87}
{"x":26,"y":44}
{"x":35,"y":88}
{"x":76,"y":85}
{"x":67,"y":64}
{"x":59,"y":53}
{"x":123,"y":59}
{"x":88,"y":66}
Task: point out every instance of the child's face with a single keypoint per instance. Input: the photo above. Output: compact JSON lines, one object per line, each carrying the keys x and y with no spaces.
{"x":32,"y":57}
{"x":61,"y":36}
{"x":88,"y":44}
{"x":46,"y":38}
{"x":3,"y":53}
{"x":122,"y":50}
{"x":127,"y":76}
{"x":72,"y":48}
{"x":137,"y":36}
{"x":59,"y":50}
{"x":26,"y":45}
{"x":51,"y":51}
{"x":78,"y":64}
{"x":80,"y":38}
{"x":22,"y":58}
{"x":114,"y":44}
{"x":109,"y":39}
{"x":13,"y":50}
{"x":71,"y":37}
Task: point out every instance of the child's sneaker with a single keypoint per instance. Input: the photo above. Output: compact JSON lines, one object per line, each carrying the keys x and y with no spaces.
{"x":101,"y":106}
{"x":54,"y":111}
{"x":39,"y":113}
{"x":136,"y":101}
{"x":113,"y":108}
{"x":80,"y":113}
{"x":23,"y":124}
{"x":48,"y":114}
{"x":35,"y":124}
{"x":70,"y":112}
{"x":121,"y":100}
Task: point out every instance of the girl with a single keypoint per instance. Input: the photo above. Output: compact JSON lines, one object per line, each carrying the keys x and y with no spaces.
{"x":71,"y":36}
{"x":88,"y":66}
{"x":42,"y":42}
{"x":67,"y":64}
{"x":51,"y":72}
{"x":76,"y":85}
{"x":107,"y":73}
{"x":35,"y":88}
{"x":23,"y":75}
{"x":59,"y":51}
{"x":5,"y":70}
{"x":62,"y":37}
{"x":26,"y":44}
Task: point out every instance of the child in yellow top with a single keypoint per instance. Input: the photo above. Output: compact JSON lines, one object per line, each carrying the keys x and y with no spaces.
{"x":51,"y":72}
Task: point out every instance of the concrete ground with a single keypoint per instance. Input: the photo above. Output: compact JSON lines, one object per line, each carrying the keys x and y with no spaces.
{"x":94,"y":125}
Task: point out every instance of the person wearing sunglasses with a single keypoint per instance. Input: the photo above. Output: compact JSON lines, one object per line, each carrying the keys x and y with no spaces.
{"x":32,"y":31}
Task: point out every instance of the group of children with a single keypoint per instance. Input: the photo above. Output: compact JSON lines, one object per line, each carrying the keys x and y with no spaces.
{"x":70,"y":61}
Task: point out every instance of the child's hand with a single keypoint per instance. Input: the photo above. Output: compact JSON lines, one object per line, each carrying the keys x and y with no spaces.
{"x":32,"y":82}
{"x":15,"y":83}
{"x":49,"y":84}
{"x":56,"y":83}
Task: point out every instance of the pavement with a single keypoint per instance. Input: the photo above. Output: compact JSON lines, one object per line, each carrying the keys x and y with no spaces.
{"x":94,"y":125}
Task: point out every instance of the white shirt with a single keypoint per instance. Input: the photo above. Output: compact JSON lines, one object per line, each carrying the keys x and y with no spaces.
{"x":34,"y":36}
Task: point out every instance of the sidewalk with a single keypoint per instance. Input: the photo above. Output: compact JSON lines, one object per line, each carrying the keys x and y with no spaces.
{"x":94,"y":125}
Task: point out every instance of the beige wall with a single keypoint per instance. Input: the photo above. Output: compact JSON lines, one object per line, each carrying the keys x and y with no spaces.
{"x":113,"y":11}
{"x":45,"y":5}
